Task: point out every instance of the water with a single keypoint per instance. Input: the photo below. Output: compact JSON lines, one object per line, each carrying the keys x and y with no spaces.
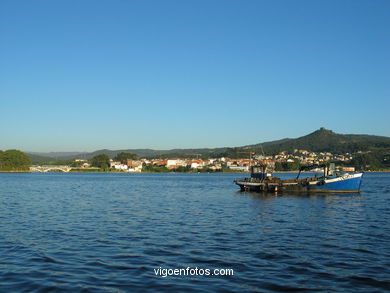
{"x":109,"y":232}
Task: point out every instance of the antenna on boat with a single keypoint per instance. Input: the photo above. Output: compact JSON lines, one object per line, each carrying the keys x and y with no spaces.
{"x":262,"y":150}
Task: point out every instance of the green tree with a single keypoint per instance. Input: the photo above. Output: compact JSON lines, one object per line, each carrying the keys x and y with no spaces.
{"x":368,"y":161}
{"x":293,"y":166}
{"x":154,"y":168}
{"x":76,"y":164}
{"x":101,"y":161}
{"x":287,"y":166}
{"x":183,"y":169}
{"x":123,"y":157}
{"x":279,"y":166}
{"x":14,"y":160}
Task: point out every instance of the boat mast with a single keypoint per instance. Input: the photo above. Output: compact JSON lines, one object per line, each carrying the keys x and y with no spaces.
{"x":250,"y":158}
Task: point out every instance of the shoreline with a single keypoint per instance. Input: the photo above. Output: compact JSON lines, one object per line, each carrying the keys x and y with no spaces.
{"x":113,"y":172}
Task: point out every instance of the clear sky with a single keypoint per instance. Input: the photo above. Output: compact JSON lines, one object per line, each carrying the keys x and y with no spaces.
{"x":82,"y":75}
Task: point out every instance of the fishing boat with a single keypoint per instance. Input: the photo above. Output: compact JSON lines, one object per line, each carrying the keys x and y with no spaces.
{"x":261,"y":180}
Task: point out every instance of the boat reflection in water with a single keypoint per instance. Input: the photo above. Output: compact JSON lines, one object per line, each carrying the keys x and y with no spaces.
{"x":330,"y":181}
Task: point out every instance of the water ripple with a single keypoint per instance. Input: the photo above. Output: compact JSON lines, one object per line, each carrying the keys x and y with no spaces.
{"x":109,"y":232}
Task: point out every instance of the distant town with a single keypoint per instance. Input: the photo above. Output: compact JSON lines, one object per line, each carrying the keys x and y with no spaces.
{"x":347,"y":151}
{"x":125,"y":162}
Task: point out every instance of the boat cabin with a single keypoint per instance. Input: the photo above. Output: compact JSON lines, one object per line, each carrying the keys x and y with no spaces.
{"x":260,"y":172}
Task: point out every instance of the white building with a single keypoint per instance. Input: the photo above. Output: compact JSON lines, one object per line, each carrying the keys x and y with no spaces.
{"x":176,"y":163}
{"x":118,"y":165}
{"x":121,"y":167}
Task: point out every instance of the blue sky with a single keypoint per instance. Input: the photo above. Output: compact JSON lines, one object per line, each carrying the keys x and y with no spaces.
{"x":84,"y":75}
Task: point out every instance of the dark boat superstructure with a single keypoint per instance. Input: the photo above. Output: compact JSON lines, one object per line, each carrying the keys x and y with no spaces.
{"x":330,"y":181}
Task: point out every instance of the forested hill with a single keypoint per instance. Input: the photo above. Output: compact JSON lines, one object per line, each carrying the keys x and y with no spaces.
{"x":324,"y":140}
{"x":14,"y":161}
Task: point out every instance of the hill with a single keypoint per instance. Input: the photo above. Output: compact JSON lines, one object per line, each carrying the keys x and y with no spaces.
{"x":39,"y":159}
{"x":148,"y":153}
{"x":322,"y":140}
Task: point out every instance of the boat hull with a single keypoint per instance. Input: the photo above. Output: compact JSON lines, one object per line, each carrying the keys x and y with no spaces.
{"x":343,"y":184}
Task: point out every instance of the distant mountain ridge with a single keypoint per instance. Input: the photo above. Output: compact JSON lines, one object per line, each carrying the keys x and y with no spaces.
{"x":57,"y":154}
{"x":322,"y":140}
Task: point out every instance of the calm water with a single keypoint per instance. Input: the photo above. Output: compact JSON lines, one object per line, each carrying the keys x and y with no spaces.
{"x":108,"y":232}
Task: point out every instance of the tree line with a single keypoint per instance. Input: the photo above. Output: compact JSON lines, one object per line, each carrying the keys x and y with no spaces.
{"x":102,"y":161}
{"x":14,"y":160}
